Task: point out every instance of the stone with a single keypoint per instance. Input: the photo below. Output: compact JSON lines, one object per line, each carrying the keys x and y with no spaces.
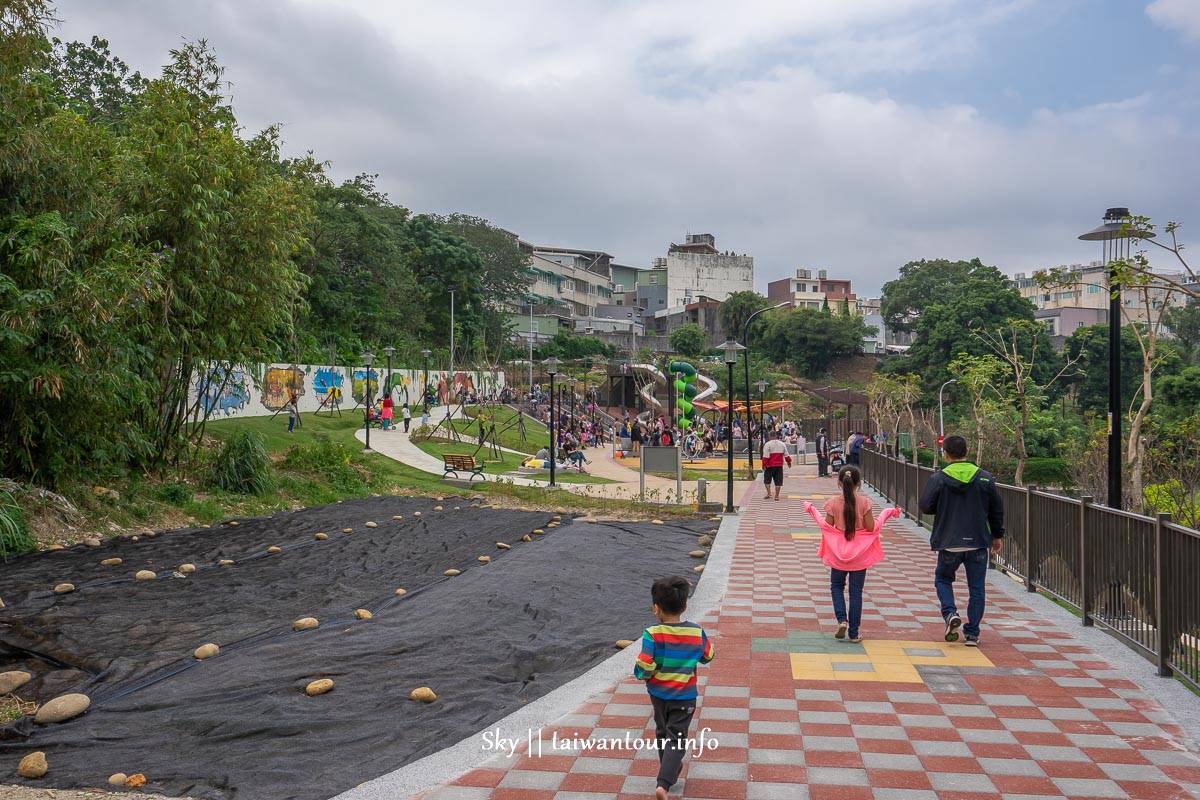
{"x":305,"y":623}
{"x":318,"y":687}
{"x":704,"y":541}
{"x":11,"y":681}
{"x":225,"y":562}
{"x":698,"y":553}
{"x":187,"y":569}
{"x":698,"y":569}
{"x":33,"y":766}
{"x":484,"y":559}
{"x":273,"y":550}
{"x":402,"y":591}
{"x":347,"y":530}
{"x":623,"y":643}
{"x":320,"y":537}
{"x":423,"y":695}
{"x":92,"y":542}
{"x":398,"y":516}
{"x":539,"y":531}
{"x":134,"y":539}
{"x":372,"y":525}
{"x":64,"y":588}
{"x":111,"y":562}
{"x":206,"y":651}
{"x":503,"y":546}
{"x":233,"y":523}
{"x":135,"y":780}
{"x":56,"y":547}
{"x":416,"y":513}
{"x":715,"y":519}
{"x":556,"y":517}
{"x":62,"y":708}
{"x":656,"y":522}
{"x":112,"y":494}
{"x":99,"y":491}
{"x":458,"y":508}
{"x":450,"y":573}
{"x":145,"y":575}
{"x":149,"y":534}
{"x":116,"y":779}
{"x":527,"y":538}
{"x":362,"y":613}
{"x":437,"y":508}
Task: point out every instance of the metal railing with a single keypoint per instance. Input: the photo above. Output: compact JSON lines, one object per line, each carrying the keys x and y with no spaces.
{"x":1136,"y":576}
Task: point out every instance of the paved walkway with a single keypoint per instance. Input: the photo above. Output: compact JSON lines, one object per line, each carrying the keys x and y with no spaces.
{"x":398,"y":445}
{"x":1043,"y":709}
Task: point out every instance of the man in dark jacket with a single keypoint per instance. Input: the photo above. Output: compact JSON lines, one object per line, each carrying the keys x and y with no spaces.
{"x":822,"y":454}
{"x":969,"y":524}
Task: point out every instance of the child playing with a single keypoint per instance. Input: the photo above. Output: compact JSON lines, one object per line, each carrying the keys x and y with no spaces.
{"x":670,"y":652}
{"x":849,"y":546}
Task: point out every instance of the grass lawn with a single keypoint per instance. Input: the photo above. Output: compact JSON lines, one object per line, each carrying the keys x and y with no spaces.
{"x":536,"y":434}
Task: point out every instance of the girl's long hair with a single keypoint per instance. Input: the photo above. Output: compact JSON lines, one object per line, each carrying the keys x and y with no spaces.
{"x":849,"y":478}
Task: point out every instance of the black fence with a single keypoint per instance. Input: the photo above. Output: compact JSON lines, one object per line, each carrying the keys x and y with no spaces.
{"x":1136,"y":576}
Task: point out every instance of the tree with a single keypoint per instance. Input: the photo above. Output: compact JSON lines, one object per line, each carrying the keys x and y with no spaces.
{"x":688,"y":340}
{"x":1089,"y":347}
{"x":979,"y":375}
{"x":809,"y":340}
{"x":94,"y":82}
{"x":738,"y":308}
{"x":923,"y":284}
{"x":1184,"y":322}
{"x":1017,"y":346}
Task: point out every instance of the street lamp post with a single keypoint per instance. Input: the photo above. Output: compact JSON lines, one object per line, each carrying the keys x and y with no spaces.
{"x":730,"y":349}
{"x":368,"y":359}
{"x":762,"y":415}
{"x":746,"y":338}
{"x":1114,"y":234}
{"x":425,"y":384}
{"x":552,"y":370}
{"x":387,"y":385}
{"x":941,"y":418}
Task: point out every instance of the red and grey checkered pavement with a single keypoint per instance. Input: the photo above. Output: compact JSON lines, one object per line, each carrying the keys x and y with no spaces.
{"x":792,"y":714}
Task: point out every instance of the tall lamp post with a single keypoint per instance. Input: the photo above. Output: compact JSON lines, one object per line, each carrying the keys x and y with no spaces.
{"x":762,"y":416}
{"x":937,"y":451}
{"x":368,"y":359}
{"x":746,"y":338}
{"x":387,"y":385}
{"x":425,"y":383}
{"x":1114,"y":235}
{"x":730,"y":350}
{"x":552,"y":370}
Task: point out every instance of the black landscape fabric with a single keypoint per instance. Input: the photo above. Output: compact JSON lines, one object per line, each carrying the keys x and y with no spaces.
{"x":240,"y":725}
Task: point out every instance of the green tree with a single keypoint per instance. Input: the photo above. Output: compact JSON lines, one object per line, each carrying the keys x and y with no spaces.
{"x":1184,"y":322}
{"x":688,"y":340}
{"x":1089,"y":346}
{"x":737,"y":308}
{"x":95,"y":83}
{"x":809,"y":340}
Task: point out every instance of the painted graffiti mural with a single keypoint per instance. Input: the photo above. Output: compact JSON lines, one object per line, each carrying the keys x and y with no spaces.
{"x":222,"y":392}
{"x":282,"y":384}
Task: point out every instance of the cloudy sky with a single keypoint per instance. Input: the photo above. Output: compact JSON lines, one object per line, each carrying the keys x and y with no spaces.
{"x":850,"y":136}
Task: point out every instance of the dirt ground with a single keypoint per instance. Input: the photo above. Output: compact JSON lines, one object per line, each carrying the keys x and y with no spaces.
{"x":28,"y":793}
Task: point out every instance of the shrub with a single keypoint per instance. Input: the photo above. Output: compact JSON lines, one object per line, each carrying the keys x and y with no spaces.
{"x":176,"y":493}
{"x":242,"y":464}
{"x":15,"y":536}
{"x":328,"y":460}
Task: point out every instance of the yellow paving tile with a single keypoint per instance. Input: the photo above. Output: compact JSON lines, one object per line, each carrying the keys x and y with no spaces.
{"x":888,"y":659}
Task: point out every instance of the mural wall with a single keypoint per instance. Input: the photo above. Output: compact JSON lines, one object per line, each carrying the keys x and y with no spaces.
{"x":263,"y":389}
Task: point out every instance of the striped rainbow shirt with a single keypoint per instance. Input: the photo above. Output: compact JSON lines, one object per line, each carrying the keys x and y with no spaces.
{"x":669,"y":657}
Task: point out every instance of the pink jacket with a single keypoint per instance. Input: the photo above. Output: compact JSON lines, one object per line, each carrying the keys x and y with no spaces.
{"x":864,"y":550}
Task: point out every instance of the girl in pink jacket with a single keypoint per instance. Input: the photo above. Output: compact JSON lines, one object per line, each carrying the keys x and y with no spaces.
{"x":849,"y":545}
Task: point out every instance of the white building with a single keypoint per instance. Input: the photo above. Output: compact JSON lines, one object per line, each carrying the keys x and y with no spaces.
{"x":696,"y":269}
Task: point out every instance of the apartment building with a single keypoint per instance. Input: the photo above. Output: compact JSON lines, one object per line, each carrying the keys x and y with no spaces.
{"x":807,"y":291}
{"x":1088,"y":289}
{"x":697,"y":269}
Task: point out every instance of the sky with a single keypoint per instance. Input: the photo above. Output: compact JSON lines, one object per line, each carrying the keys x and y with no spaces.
{"x":848,"y":136}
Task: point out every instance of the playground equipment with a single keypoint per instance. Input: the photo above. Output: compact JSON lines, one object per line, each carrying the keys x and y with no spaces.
{"x":656,"y":377}
{"x":685,"y":391}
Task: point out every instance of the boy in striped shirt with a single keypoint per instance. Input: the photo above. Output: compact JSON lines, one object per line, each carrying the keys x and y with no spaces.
{"x":670,"y":652}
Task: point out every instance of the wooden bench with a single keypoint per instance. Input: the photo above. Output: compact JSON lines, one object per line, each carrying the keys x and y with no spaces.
{"x":456,"y":462}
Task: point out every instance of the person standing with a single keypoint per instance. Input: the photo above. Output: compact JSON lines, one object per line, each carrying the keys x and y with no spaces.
{"x":854,"y":448}
{"x":671,"y":650}
{"x":773,"y":456}
{"x":849,"y":514}
{"x":822,"y":454}
{"x":406,"y":412}
{"x":293,"y":413}
{"x":969,"y":524}
{"x":388,"y":406}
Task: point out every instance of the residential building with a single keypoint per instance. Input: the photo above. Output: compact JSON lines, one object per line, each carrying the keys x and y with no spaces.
{"x":624,"y":280}
{"x":1088,"y":289}
{"x":1063,"y":321}
{"x":704,"y":312}
{"x":697,"y":269}
{"x":806,"y":291}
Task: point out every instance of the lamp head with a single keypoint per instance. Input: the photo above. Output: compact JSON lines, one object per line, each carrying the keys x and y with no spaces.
{"x":389,"y":350}
{"x":551,"y":365}
{"x":368,"y":358}
{"x":730,"y":349}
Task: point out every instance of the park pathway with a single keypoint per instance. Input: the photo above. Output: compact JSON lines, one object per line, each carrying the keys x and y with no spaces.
{"x":1041,"y":710}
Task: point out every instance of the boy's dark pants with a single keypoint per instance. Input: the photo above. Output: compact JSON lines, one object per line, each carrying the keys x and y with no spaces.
{"x":672,"y":718}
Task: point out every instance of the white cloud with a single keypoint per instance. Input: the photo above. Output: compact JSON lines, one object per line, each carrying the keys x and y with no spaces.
{"x":1180,"y":15}
{"x":623,"y":129}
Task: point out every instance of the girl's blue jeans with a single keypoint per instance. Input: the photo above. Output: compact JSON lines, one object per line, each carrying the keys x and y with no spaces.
{"x":837,"y":587}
